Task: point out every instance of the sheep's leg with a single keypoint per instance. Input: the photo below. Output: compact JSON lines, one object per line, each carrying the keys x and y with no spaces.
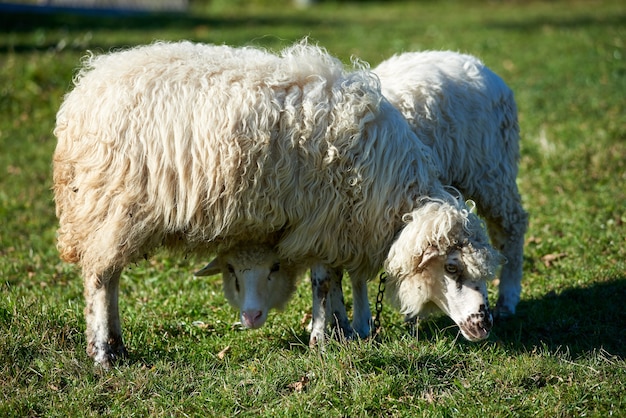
{"x":104,"y":332}
{"x":336,"y":314}
{"x":339,"y":318}
{"x":510,"y":287}
{"x":412,"y":324}
{"x":507,"y":226}
{"x":329,"y":307}
{"x":361,"y":313}
{"x":320,"y":286}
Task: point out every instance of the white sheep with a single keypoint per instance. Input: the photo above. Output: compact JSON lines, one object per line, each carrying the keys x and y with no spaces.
{"x":201,"y":148}
{"x":439,"y":262}
{"x":255,"y":280}
{"x":467,"y":116}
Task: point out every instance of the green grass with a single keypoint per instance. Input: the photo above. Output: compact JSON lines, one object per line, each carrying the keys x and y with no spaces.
{"x":563,"y":354}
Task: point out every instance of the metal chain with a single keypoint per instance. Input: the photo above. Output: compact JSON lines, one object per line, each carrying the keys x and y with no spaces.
{"x":379,"y":301}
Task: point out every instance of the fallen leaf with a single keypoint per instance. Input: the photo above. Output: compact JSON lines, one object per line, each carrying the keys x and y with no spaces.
{"x":549,"y":259}
{"x":533,"y":240}
{"x":300,"y":384}
{"x":201,"y":324}
{"x":429,"y":396}
{"x":222,"y":353}
{"x":11,"y":169}
{"x":306,"y":319}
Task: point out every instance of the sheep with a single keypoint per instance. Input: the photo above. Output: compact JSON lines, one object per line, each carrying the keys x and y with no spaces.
{"x":255,"y":280}
{"x":467,"y":116}
{"x":440,"y":262}
{"x":435,"y":264}
{"x":200,"y":148}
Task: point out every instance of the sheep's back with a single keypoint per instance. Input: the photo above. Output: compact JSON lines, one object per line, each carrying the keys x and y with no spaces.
{"x":458,"y":107}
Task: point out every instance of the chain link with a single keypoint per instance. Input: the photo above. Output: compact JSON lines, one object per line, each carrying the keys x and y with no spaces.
{"x":379,"y":301}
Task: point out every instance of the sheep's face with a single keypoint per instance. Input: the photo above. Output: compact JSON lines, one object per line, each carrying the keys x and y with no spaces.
{"x":452,"y":280}
{"x":442,"y":258}
{"x":457,"y":286}
{"x":254,"y":281}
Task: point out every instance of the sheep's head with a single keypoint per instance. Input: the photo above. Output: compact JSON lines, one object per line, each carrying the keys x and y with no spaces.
{"x":442,"y":258}
{"x":255,"y":281}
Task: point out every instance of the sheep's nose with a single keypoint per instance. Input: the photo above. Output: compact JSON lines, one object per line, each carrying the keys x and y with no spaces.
{"x":252,"y":319}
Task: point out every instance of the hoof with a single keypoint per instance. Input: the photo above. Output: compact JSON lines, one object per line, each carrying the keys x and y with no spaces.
{"x":107,"y":355}
{"x":502,"y":312}
{"x":317,"y":339}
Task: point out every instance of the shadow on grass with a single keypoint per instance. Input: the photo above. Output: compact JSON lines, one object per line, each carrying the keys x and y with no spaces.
{"x":579,"y":319}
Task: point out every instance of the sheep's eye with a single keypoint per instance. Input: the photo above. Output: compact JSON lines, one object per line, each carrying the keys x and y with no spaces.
{"x":452,"y":268}
{"x":230,"y":268}
{"x":275,"y":267}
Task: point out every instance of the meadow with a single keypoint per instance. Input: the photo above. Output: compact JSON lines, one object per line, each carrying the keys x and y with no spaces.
{"x":562,"y":355}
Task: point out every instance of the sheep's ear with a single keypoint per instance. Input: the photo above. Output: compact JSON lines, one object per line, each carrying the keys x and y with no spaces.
{"x":210,"y":269}
{"x":471,"y":205}
{"x":429,"y":254}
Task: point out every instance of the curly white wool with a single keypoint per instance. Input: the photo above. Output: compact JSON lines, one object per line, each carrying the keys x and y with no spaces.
{"x":199,"y":143}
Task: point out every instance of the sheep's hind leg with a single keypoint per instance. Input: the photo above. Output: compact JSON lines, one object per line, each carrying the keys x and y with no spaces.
{"x":104,"y":331}
{"x":320,"y":287}
{"x":507,"y":235}
{"x":361,"y":313}
{"x":339,"y":318}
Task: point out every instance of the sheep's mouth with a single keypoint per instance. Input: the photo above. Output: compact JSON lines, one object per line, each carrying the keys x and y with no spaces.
{"x":476,"y":333}
{"x":477,"y":326}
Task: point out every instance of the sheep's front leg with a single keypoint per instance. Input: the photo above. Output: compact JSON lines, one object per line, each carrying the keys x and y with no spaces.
{"x":320,"y":286}
{"x":337,"y":311}
{"x":104,"y":332}
{"x":361,"y":315}
{"x":510,"y":288}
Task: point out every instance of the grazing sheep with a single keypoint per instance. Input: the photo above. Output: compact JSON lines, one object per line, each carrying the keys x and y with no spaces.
{"x":467,"y":116}
{"x":201,"y":148}
{"x":256,"y":280}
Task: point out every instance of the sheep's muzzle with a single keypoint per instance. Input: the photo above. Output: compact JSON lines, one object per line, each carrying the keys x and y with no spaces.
{"x":477,"y":325}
